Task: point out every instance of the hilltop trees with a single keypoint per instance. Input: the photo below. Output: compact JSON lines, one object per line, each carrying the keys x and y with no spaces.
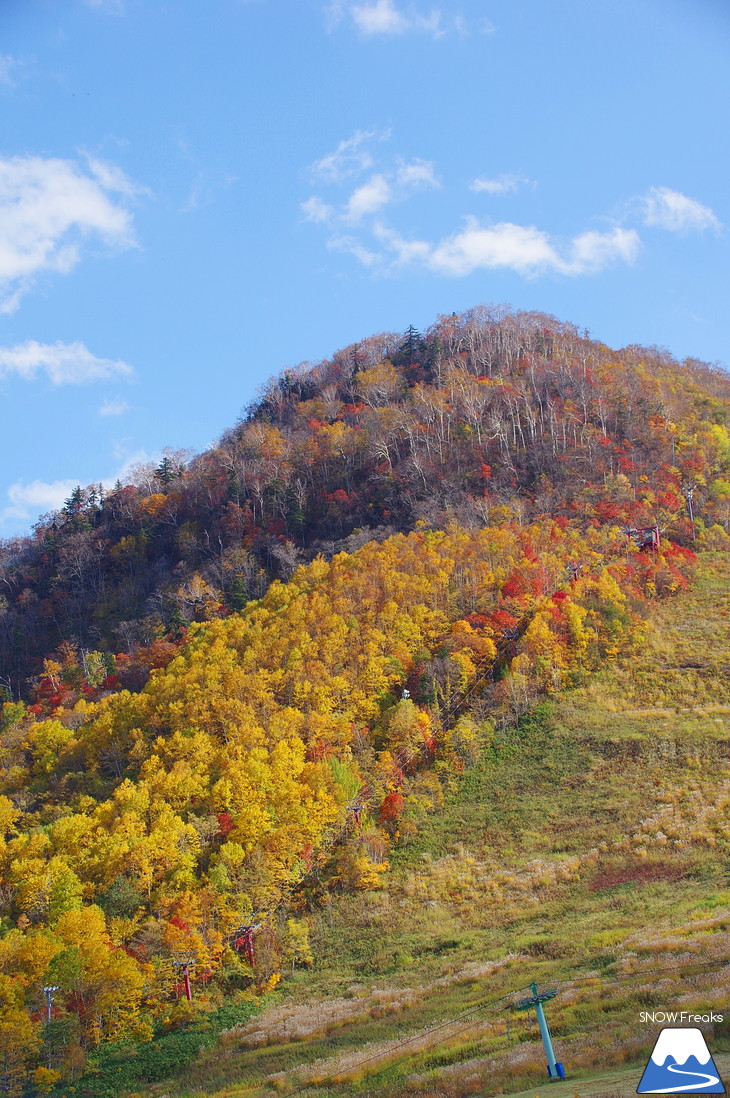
{"x":489,"y":412}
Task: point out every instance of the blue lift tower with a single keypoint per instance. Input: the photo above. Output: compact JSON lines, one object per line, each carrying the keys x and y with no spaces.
{"x":554,"y":1067}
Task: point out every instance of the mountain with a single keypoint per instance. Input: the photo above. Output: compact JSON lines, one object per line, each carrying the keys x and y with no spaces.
{"x":584,"y":848}
{"x":241,"y":686}
{"x":488,"y":413}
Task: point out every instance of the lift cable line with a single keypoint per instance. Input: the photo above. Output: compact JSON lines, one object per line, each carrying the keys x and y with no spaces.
{"x":420,"y":1035}
{"x":242,"y":937}
{"x":492,"y":1003}
{"x":618,"y":978}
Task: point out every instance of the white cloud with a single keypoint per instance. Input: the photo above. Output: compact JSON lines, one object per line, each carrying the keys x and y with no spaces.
{"x":113,"y":408}
{"x":62,"y":363}
{"x":668,"y":209}
{"x":592,"y":251}
{"x":404,"y":251}
{"x":353,"y":247}
{"x":48,"y":207}
{"x":382,"y":17}
{"x":501,"y":185}
{"x":27,"y":501}
{"x":524,"y":249}
{"x":369,"y":198}
{"x":389,"y":18}
{"x":419,"y":173}
{"x":315,"y":209}
{"x":529,"y":251}
{"x":351,"y":157}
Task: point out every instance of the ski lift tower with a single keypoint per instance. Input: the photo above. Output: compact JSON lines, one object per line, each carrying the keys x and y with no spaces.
{"x":183,"y":962}
{"x":50,"y":998}
{"x":554,"y":1067}
{"x":243,"y":941}
{"x":511,"y":636}
{"x":688,"y":492}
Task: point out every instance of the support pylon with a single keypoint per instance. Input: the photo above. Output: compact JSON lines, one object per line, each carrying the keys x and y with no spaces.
{"x":688,"y":494}
{"x":183,"y":963}
{"x":555,"y":1068}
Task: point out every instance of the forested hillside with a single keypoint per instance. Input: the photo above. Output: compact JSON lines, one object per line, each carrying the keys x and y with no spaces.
{"x":238,"y":688}
{"x":585,"y":849}
{"x":489,"y":416}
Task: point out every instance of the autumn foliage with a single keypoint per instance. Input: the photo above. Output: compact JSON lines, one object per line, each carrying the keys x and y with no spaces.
{"x":490,"y":415}
{"x":146,"y":824}
{"x":454,"y":519}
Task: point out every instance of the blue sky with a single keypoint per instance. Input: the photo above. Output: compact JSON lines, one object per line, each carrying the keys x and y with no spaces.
{"x":194,"y":196}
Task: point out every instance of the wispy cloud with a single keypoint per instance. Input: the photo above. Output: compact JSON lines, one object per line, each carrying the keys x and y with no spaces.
{"x":501,"y":185}
{"x":382,"y":17}
{"x":113,"y":408}
{"x":111,"y":178}
{"x":317,"y":210}
{"x":404,"y":252}
{"x":664,"y":208}
{"x":61,"y":363}
{"x":27,"y":501}
{"x":357,"y":224}
{"x":358,"y":156}
{"x":369,"y":198}
{"x":352,"y":156}
{"x":525,"y":249}
{"x":48,"y":209}
{"x":419,"y":173}
{"x":352,"y":246}
{"x":204,"y":188}
{"x":386,"y":18}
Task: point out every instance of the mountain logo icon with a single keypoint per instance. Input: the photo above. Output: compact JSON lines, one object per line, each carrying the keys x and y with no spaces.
{"x":680,"y":1063}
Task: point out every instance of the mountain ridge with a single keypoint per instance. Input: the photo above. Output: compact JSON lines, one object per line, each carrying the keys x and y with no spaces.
{"x":487,"y":410}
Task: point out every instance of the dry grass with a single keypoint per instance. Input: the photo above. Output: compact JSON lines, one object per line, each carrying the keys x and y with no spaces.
{"x":300,"y":1021}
